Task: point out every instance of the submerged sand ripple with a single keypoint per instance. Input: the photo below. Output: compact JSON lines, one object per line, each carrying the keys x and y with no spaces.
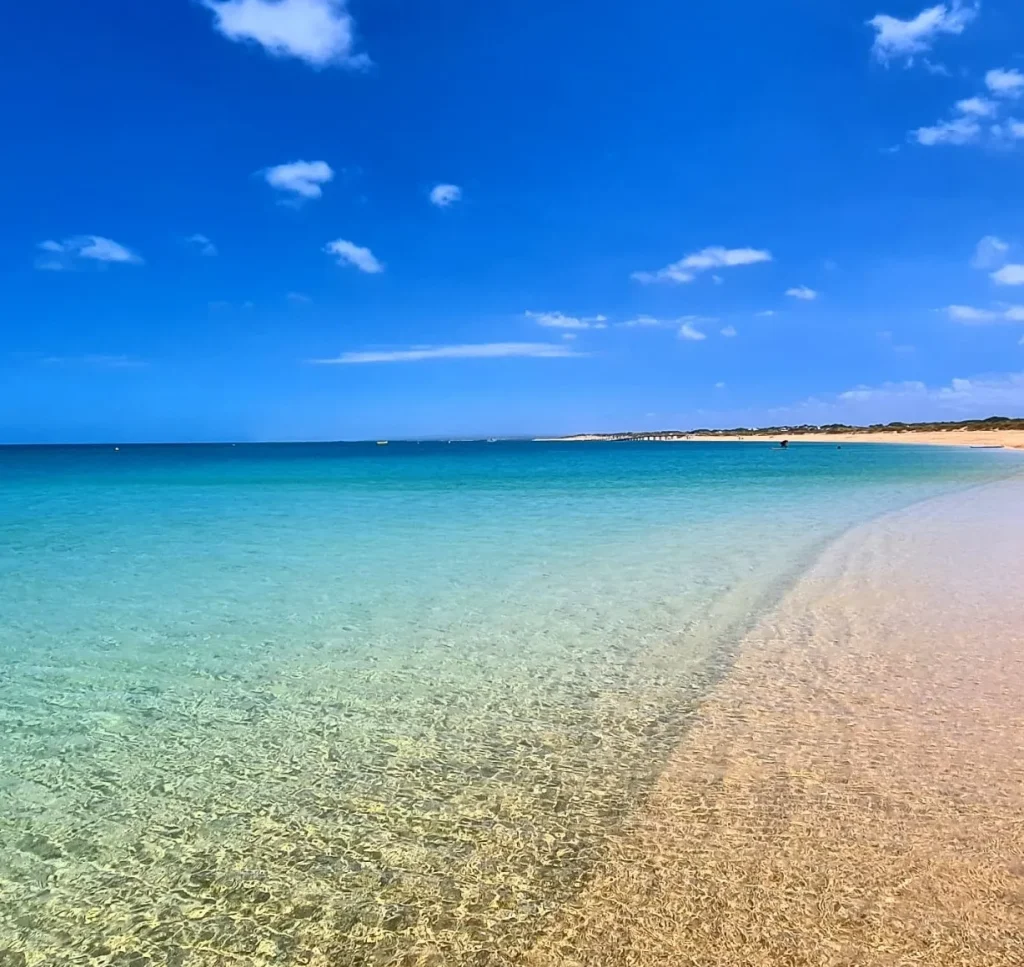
{"x":853,"y":793}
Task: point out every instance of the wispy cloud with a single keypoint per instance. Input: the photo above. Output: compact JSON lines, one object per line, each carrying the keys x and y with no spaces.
{"x":558,"y":320}
{"x":765,"y":314}
{"x":96,"y":360}
{"x":444,"y":195}
{"x":348,"y":253}
{"x":691,"y":333}
{"x":989,"y":253}
{"x":300,"y":179}
{"x":202,"y":245}
{"x":973,"y":316}
{"x":644,"y":322}
{"x":957,"y":131}
{"x":994,"y":392}
{"x":415,"y":354}
{"x":714,"y":257}
{"x":319,"y":32}
{"x":729,"y":332}
{"x":980,"y":107}
{"x":903,"y":40}
{"x":59,"y":256}
{"x":1012,"y":274}
{"x":1005,"y":83}
{"x":803,"y":293}
{"x":974,"y":119}
{"x":299,"y":298}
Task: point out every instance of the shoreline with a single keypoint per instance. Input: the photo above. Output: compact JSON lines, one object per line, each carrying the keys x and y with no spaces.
{"x":1007,"y":439}
{"x":850,"y":793}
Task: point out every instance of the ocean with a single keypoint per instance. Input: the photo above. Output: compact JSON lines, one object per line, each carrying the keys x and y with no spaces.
{"x":340,"y":704}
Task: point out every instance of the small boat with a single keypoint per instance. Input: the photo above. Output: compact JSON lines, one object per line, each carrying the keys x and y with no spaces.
{"x":987,"y":446}
{"x":382,"y":443}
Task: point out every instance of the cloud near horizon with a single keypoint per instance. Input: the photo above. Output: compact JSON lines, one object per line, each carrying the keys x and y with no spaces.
{"x":713,"y":257}
{"x":960,"y":395}
{"x":319,"y":32}
{"x":496,"y":350}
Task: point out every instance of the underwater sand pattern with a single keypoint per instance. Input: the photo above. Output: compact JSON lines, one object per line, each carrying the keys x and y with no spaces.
{"x":853,"y":792}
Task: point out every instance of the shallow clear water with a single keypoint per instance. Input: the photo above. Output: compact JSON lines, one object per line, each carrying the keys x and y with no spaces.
{"x":350,"y":704}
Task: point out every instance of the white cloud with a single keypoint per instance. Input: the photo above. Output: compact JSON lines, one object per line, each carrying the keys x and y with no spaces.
{"x":558,"y":320}
{"x":983,"y":395}
{"x":1010,"y":130}
{"x":765,"y":313}
{"x":959,"y":131}
{"x":803,"y":293}
{"x":729,"y":332}
{"x":897,"y":39}
{"x":713,"y":257}
{"x":569,"y":335}
{"x":299,"y":298}
{"x":97,"y":360}
{"x":319,"y":32}
{"x":303,"y":179}
{"x":1005,"y":83}
{"x":689,"y":332}
{"x":643,"y":322}
{"x":719,"y":385}
{"x":980,"y":107}
{"x":495,"y":350}
{"x":1009,"y":275}
{"x":94,"y":248}
{"x":445,"y":195}
{"x":989,"y":252}
{"x":348,"y":253}
{"x":202,"y":245}
{"x":970,"y":315}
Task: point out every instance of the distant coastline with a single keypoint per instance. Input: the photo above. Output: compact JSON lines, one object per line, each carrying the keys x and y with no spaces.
{"x":996,"y":431}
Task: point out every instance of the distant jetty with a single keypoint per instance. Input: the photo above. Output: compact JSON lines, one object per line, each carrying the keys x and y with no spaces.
{"x":994,"y":432}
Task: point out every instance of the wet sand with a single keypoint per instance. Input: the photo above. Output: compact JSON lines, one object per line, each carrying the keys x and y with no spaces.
{"x":853,"y":793}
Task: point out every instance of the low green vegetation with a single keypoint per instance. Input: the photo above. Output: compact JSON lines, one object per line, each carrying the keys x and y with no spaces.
{"x":991,"y":423}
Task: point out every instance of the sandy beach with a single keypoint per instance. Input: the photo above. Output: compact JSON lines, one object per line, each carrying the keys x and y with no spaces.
{"x":853,"y":793}
{"x":1011,"y":439}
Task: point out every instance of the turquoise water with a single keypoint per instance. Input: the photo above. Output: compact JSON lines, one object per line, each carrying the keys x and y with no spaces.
{"x":347,"y":704}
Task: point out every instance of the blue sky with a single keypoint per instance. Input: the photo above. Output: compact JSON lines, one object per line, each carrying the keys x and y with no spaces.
{"x":311,"y":219}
